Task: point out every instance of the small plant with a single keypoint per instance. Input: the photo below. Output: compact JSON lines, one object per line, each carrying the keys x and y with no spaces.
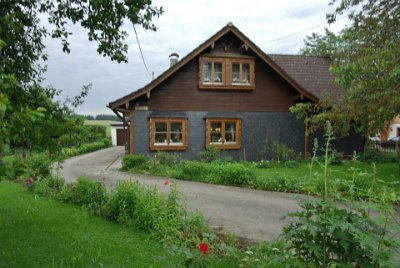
{"x":120,"y":206}
{"x":325,"y":236}
{"x":165,"y":158}
{"x":131,"y":161}
{"x":211,"y":153}
{"x":85,"y":192}
{"x":336,"y":158}
{"x":281,"y":152}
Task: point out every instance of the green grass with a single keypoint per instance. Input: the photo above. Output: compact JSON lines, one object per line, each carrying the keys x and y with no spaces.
{"x":40,"y":232}
{"x":388,"y":172}
{"x":37,"y":232}
{"x":106,"y":123}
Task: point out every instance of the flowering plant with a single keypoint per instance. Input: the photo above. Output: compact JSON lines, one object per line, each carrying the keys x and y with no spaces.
{"x":203,"y":247}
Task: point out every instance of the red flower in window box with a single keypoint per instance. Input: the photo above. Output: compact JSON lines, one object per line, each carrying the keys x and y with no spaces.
{"x":203,"y":247}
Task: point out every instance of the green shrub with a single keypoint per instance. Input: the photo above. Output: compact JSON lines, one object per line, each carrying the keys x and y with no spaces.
{"x":165,"y":158}
{"x":224,"y":173}
{"x":13,"y":167}
{"x":211,"y":153}
{"x":40,"y":165}
{"x":86,"y":148}
{"x":107,"y":142}
{"x":281,"y":152}
{"x":193,"y":170}
{"x":326,"y":236}
{"x":131,"y":161}
{"x":233,"y":174}
{"x":84,"y":192}
{"x":375,"y":156}
{"x":120,"y":206}
{"x":48,"y":186}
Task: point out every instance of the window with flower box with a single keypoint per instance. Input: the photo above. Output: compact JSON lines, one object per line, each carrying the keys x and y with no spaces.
{"x":226,"y":73}
{"x":168,"y":134}
{"x":223,"y":133}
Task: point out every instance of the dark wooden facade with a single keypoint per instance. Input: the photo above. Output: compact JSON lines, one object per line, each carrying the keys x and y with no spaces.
{"x":180,"y":92}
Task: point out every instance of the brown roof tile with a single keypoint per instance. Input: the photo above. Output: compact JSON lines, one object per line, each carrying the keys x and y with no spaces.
{"x":312,"y":73}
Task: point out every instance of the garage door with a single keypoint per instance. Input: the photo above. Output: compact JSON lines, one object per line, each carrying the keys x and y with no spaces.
{"x":122,"y":137}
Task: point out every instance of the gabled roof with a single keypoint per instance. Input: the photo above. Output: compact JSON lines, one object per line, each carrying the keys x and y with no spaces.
{"x":278,"y":63}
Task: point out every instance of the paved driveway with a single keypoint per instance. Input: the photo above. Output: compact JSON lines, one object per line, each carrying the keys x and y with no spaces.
{"x":247,"y":213}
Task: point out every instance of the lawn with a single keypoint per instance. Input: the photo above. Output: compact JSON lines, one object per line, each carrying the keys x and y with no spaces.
{"x":388,"y":172}
{"x":39,"y":232}
{"x":106,"y":123}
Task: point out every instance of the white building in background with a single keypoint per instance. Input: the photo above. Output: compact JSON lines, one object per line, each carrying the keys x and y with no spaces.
{"x":392,"y":130}
{"x":119,"y":134}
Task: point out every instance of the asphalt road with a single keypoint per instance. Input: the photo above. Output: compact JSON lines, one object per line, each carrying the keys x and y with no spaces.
{"x":248,"y":213}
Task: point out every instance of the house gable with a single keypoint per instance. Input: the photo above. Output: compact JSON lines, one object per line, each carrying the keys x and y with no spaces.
{"x":228,"y":41}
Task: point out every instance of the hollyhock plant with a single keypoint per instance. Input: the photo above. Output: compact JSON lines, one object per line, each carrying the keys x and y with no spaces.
{"x":203,"y":247}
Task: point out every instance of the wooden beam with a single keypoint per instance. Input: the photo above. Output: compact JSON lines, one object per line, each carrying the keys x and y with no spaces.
{"x":306,"y":137}
{"x":131,"y":133}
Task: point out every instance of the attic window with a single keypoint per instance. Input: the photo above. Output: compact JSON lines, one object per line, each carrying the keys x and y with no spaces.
{"x":226,"y":73}
{"x":212,"y":73}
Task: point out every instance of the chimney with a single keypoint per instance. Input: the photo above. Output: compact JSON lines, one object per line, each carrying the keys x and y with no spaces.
{"x":173,"y":59}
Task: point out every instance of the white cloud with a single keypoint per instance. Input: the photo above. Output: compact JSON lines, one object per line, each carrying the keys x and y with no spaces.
{"x":183,"y":26}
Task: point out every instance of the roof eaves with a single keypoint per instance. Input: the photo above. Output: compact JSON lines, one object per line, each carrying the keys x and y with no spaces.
{"x":171,"y":70}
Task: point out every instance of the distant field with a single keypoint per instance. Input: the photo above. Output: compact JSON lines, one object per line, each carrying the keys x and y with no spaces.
{"x":103,"y":123}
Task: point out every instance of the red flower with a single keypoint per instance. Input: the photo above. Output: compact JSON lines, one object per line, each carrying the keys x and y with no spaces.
{"x":203,"y":248}
{"x":29,"y":182}
{"x":166,"y":182}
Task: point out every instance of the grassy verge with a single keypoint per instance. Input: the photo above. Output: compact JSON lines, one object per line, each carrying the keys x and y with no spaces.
{"x":37,"y":232}
{"x":350,"y":179}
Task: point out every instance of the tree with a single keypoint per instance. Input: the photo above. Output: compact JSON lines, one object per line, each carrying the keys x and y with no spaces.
{"x":366,"y":61}
{"x":28,"y":111}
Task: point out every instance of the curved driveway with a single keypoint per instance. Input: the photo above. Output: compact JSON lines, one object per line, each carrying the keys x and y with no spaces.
{"x":249,"y":213}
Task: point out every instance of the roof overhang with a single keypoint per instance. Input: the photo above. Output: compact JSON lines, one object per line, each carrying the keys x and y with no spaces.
{"x":122,"y":104}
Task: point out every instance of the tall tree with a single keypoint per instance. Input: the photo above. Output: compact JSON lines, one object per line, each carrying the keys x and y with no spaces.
{"x":22,"y":48}
{"x":366,"y":61}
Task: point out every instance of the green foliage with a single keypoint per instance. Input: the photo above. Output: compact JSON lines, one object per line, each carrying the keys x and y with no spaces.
{"x":276,"y":151}
{"x":85,"y":192}
{"x":325,"y":236}
{"x":375,"y":156}
{"x":12,"y":168}
{"x":120,"y":206}
{"x":132,"y":161}
{"x":220,"y":173}
{"x":48,"y":186}
{"x":86,"y":148}
{"x":165,"y":158}
{"x":40,"y":165}
{"x":211,"y":153}
{"x":336,"y":158}
{"x":281,"y":152}
{"x":365,"y":62}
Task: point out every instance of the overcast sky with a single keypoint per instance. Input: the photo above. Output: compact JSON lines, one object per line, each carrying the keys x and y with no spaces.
{"x":183,"y":26}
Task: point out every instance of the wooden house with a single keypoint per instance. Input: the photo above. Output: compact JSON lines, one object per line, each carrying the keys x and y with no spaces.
{"x":227,"y":93}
